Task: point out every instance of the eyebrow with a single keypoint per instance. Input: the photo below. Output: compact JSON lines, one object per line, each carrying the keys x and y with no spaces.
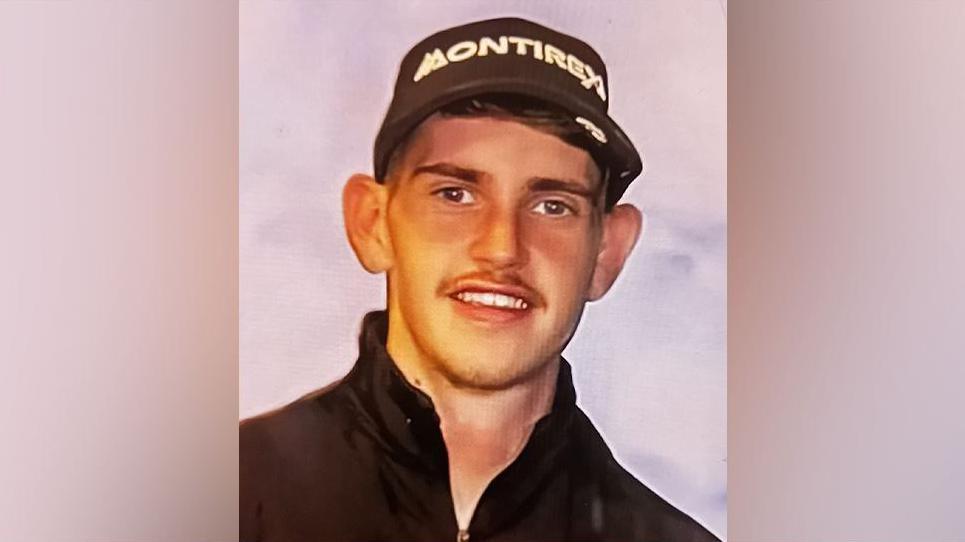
{"x":536,"y":184}
{"x":450,"y":170}
{"x":544,"y":184}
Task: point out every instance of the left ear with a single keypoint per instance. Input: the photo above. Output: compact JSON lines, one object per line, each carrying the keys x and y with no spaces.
{"x":621,"y":229}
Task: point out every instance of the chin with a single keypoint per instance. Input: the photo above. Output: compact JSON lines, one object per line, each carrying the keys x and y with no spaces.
{"x":485,"y":371}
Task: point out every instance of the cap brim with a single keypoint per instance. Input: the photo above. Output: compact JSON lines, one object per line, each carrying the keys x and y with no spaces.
{"x":618,"y":153}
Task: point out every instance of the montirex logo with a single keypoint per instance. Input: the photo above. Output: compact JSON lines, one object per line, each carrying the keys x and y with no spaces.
{"x":465,"y":50}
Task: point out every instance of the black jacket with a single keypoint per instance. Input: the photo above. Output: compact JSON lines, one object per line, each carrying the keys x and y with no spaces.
{"x":364,"y":459}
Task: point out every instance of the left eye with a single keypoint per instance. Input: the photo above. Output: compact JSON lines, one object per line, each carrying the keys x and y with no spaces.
{"x":455,"y":194}
{"x":553,"y":208}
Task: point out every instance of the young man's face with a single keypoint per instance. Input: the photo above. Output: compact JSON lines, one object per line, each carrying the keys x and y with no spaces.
{"x":495,"y":229}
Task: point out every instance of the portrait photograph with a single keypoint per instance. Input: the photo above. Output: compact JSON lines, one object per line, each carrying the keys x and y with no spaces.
{"x":502,"y":271}
{"x":482,"y":281}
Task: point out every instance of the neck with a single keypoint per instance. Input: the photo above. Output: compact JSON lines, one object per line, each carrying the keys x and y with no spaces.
{"x":484,"y":429}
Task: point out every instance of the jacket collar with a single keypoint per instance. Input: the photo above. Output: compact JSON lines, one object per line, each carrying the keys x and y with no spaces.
{"x":404,"y":419}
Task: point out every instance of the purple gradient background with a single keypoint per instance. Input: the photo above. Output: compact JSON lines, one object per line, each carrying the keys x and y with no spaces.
{"x":119,"y":277}
{"x":648,"y":359}
{"x":846,"y":265}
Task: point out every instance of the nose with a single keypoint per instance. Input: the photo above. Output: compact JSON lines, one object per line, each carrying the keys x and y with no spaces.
{"x":498,"y":240}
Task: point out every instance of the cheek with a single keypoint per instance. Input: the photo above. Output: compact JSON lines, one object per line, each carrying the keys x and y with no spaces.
{"x":426,"y":246}
{"x":570,"y":253}
{"x":421,"y":223}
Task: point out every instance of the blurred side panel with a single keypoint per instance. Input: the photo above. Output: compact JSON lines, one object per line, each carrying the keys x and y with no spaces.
{"x":846,"y":297}
{"x":119,"y":282}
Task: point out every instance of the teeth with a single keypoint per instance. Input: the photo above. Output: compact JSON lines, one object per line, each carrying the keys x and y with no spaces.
{"x":492,"y":299}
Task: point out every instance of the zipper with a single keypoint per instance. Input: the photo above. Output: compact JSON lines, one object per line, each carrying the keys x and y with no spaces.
{"x":462,"y":535}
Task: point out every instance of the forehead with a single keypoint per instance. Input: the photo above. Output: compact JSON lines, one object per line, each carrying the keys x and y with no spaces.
{"x":502,"y":148}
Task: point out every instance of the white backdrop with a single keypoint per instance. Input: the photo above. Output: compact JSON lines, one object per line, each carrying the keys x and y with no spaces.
{"x":649,"y":359}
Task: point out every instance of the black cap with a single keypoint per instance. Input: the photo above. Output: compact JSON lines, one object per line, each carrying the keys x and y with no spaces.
{"x":512,"y":56}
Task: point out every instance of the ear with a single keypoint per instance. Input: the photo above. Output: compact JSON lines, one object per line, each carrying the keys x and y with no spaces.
{"x":621,"y":229}
{"x":364,"y":205}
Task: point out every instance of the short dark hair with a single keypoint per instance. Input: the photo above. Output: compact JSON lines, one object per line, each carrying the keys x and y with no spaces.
{"x":525,"y":110}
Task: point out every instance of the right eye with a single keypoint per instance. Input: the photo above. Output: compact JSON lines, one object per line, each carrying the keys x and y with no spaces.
{"x":455,"y":194}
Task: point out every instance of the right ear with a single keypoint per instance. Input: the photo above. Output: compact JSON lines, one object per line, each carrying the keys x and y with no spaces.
{"x":364,"y":206}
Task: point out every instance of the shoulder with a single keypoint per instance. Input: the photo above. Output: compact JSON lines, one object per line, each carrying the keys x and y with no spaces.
{"x":301,"y":441}
{"x":296,"y":460}
{"x":631,"y":509}
{"x":296,"y":427}
{"x":312,"y":454}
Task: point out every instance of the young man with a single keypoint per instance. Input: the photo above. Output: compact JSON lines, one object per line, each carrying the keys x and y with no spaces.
{"x":493,"y":213}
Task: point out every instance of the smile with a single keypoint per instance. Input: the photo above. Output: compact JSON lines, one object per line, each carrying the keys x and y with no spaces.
{"x":492,"y":299}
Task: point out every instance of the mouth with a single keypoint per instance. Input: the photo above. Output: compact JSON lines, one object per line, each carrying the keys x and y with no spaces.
{"x":492,"y":299}
{"x":494,"y":303}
